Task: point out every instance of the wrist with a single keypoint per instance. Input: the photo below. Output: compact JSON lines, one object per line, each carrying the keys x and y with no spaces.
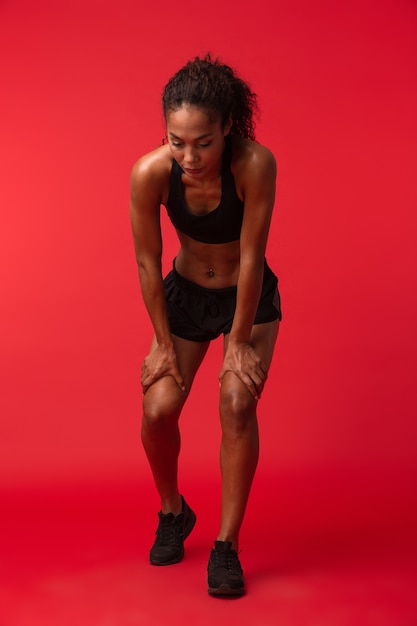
{"x":165,"y":342}
{"x":238,"y":339}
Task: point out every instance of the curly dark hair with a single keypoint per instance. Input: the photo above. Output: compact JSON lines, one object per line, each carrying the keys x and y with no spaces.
{"x":214,"y":87}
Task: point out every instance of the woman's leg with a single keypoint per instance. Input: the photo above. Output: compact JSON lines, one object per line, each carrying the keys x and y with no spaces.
{"x":240,"y":442}
{"x":162,"y":406}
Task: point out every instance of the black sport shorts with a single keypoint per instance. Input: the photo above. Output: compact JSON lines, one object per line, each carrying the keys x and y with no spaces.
{"x":199,"y":314}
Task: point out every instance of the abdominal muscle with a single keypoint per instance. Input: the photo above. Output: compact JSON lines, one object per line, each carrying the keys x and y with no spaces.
{"x":213,"y":266}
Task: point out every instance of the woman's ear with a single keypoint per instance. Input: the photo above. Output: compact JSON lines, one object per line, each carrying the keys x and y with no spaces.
{"x":228,"y":126}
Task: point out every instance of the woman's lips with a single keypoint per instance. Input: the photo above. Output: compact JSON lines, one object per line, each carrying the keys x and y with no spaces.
{"x":194,"y":171}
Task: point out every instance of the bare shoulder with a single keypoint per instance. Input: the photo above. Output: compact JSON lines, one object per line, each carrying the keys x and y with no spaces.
{"x":252,"y":161}
{"x":247,"y":153}
{"x":150,"y":173}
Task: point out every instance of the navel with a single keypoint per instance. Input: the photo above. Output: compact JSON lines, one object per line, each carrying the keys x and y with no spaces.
{"x":210,"y":272}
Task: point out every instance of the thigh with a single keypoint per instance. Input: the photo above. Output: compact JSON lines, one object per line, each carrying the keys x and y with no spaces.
{"x":263,"y":338}
{"x":233,"y":391}
{"x":190,"y":354}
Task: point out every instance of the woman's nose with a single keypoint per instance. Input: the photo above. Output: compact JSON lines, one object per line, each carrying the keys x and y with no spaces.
{"x":190,"y":155}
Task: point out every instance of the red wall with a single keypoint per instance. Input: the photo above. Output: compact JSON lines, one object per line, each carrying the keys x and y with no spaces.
{"x":81,"y":86}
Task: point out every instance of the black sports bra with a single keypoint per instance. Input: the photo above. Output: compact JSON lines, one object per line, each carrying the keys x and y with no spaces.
{"x":221,"y":225}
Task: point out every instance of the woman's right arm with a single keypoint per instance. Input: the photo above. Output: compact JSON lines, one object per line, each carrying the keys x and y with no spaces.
{"x":146,"y":182}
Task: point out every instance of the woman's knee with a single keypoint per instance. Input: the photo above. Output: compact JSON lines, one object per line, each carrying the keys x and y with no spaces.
{"x":237,"y":409}
{"x":160,"y":409}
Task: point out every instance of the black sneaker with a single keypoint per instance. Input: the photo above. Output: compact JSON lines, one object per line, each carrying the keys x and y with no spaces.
{"x":170,"y":536}
{"x":225,"y":574}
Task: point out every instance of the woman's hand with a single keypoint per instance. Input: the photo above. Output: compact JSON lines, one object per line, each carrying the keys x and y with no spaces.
{"x":162,"y":361}
{"x":242,"y":360}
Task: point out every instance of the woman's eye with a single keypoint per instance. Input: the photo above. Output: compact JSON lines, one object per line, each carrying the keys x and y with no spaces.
{"x":179,"y":144}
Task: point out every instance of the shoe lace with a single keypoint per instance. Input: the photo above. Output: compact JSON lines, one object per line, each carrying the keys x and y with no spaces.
{"x":169,"y":531}
{"x":227,"y":560}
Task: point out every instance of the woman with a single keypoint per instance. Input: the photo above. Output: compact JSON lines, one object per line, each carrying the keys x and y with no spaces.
{"x":218,"y":186}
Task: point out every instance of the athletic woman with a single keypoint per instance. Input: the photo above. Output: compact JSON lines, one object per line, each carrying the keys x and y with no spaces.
{"x":218,"y":187}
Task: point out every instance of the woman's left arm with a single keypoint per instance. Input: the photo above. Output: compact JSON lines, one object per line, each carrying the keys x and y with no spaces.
{"x":256,"y":178}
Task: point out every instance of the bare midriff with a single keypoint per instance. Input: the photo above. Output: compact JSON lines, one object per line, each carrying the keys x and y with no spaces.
{"x":214,"y":266}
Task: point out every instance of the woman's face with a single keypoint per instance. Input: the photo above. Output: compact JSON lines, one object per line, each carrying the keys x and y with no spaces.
{"x":196,"y":141}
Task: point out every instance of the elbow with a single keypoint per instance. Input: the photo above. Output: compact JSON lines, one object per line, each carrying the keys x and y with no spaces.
{"x":148,"y":265}
{"x":253,"y":259}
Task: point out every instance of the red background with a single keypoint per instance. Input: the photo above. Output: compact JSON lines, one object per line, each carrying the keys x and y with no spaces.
{"x":80,"y":102}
